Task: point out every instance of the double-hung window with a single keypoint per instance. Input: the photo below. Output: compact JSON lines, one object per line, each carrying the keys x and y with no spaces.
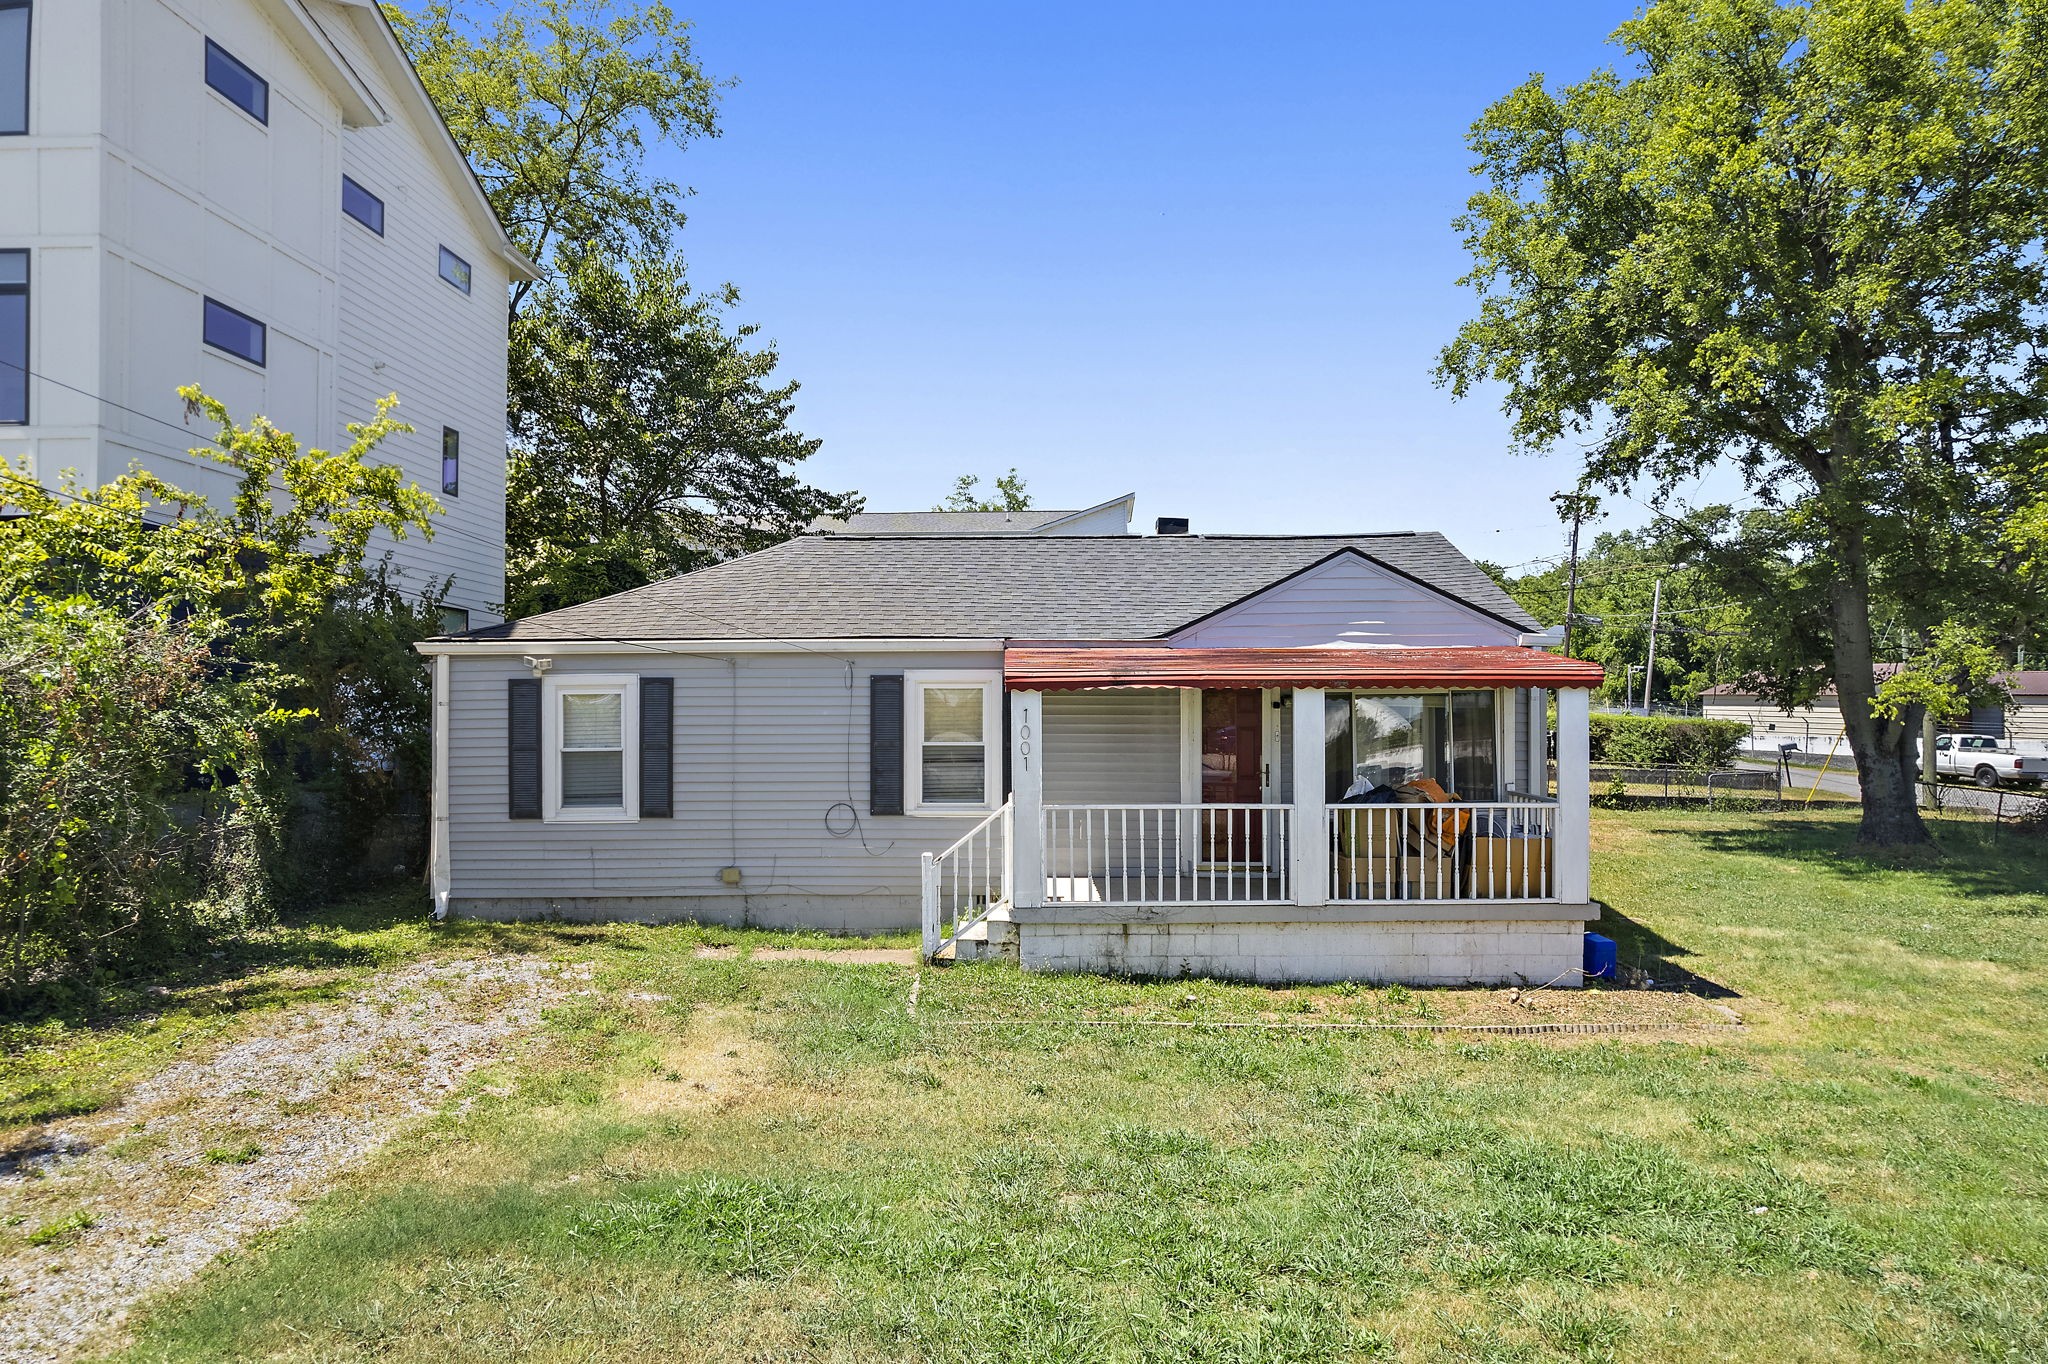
{"x":13,"y":337}
{"x":236,"y":83}
{"x":954,"y":722}
{"x":14,"y":66}
{"x":590,"y":747}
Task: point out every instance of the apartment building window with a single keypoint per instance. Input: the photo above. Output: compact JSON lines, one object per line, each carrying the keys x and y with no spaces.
{"x":451,"y":460}
{"x":242,"y":87}
{"x":13,"y":66}
{"x":235,"y":332}
{"x":455,"y":269}
{"x":365,"y":207}
{"x":13,"y":336}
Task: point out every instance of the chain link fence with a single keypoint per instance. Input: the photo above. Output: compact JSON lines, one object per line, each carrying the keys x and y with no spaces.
{"x":1686,"y":783}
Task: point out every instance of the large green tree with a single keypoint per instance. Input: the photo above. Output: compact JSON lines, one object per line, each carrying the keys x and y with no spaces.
{"x":648,"y":434}
{"x":1801,"y":241}
{"x":653,"y":438}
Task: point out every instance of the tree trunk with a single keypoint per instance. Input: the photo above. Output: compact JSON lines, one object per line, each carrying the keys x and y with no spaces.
{"x":1884,"y":757}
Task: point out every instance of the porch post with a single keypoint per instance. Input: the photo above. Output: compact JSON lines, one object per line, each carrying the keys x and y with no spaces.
{"x":1536,"y":743}
{"x":1027,"y":798}
{"x":1574,"y":812}
{"x":1311,"y":844}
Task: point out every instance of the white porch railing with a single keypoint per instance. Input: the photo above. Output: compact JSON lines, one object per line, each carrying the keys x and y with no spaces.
{"x":1169,"y":854}
{"x":965,"y":882}
{"x":1458,"y":850}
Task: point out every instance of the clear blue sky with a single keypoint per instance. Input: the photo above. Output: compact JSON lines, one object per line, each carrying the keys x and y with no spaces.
{"x":1200,"y":252}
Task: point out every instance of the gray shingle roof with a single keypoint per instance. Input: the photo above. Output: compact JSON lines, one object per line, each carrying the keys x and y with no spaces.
{"x":1070,"y":587}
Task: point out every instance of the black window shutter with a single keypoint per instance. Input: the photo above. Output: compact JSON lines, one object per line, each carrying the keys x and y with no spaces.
{"x":885,"y":744}
{"x":522,"y":730}
{"x":657,"y":744}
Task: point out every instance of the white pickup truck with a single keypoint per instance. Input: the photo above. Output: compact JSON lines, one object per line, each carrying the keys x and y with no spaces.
{"x":1989,"y":762}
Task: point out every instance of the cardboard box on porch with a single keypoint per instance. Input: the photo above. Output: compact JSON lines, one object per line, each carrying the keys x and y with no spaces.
{"x":1434,"y":874}
{"x":1510,"y":868}
{"x":1376,"y":877}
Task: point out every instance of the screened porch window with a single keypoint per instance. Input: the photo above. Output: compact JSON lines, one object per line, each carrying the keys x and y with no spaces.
{"x":1450,"y":737}
{"x":953,"y":719}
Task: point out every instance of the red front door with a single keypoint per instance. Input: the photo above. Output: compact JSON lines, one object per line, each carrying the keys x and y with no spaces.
{"x":1233,"y":773}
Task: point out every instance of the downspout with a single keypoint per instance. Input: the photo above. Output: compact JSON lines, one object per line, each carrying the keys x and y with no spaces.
{"x":439,"y":862}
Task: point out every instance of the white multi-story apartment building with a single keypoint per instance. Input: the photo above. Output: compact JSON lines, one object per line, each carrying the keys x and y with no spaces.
{"x":259,"y":197}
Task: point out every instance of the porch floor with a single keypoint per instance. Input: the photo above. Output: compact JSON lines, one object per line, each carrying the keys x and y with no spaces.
{"x":1150,"y":888}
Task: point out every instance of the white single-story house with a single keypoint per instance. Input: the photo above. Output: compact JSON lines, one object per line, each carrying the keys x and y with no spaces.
{"x":1265,"y":757}
{"x":1814,"y":728}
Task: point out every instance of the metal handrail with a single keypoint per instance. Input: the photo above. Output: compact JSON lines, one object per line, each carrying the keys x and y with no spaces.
{"x":972,"y":877}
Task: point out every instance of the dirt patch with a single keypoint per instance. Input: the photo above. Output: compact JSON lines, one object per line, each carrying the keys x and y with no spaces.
{"x":718,"y":1066}
{"x":106,"y":1210}
{"x":844,"y":956}
{"x":1479,"y":1008}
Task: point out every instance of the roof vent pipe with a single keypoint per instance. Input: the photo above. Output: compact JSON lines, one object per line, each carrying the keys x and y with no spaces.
{"x":1170,"y":525}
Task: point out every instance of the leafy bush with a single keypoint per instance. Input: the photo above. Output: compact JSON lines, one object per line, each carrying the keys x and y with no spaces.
{"x":1665,"y":741}
{"x":170,"y":673}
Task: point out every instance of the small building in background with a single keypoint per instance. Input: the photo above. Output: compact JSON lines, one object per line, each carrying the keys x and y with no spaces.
{"x":1817,"y":726}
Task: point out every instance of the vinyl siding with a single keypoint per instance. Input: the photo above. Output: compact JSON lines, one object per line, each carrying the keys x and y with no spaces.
{"x":1822,"y":721}
{"x":404,"y":330}
{"x":1346,"y":601}
{"x":765,"y":746}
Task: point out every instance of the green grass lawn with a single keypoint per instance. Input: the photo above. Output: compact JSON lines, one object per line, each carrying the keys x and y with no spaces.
{"x":726,"y":1159}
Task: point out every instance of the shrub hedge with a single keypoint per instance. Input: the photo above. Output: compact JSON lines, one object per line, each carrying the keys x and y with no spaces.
{"x":1665,"y":741}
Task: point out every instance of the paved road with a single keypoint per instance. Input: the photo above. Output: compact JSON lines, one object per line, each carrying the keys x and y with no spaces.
{"x":1840,"y":778}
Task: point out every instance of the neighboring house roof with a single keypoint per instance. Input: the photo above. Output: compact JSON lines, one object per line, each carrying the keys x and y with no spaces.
{"x":2031,"y":682}
{"x":1033,"y":521}
{"x":1112,"y":587}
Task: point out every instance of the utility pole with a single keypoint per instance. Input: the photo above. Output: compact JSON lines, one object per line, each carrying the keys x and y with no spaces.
{"x":1571,"y":589}
{"x":1650,"y":668}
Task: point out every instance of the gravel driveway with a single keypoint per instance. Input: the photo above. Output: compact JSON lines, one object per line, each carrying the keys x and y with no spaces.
{"x":140,"y":1197}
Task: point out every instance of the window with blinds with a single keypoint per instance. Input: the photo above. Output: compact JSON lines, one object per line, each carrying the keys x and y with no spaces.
{"x":590,"y":748}
{"x":954,"y":721}
{"x":593,"y":750}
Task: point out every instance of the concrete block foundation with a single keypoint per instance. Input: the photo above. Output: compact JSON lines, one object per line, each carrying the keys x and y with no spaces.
{"x":1424,"y":952}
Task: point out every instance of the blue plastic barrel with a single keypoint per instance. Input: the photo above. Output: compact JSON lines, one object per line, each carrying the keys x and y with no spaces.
{"x":1600,"y":957}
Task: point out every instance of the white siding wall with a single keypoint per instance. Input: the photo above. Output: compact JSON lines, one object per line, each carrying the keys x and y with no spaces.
{"x":403,"y":330}
{"x":1114,"y":519}
{"x":1346,"y":601}
{"x":140,"y":191}
{"x":764,"y":748}
{"x":1822,"y":721}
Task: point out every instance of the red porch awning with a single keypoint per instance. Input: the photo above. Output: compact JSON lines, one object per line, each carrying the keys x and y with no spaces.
{"x":1075,"y":669}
